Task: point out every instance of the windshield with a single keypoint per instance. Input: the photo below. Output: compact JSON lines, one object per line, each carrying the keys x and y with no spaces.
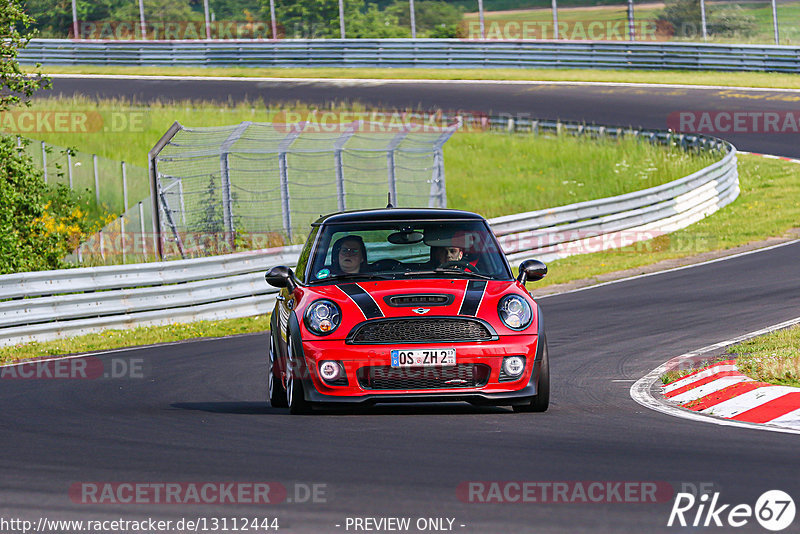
{"x":397,"y":250}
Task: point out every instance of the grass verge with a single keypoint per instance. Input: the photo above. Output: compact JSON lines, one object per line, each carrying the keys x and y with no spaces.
{"x":144,"y":335}
{"x":773,"y":358}
{"x":770,"y":80}
{"x":677,"y":374}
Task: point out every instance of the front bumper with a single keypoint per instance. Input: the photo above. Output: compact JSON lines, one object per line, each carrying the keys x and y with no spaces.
{"x":357,"y":357}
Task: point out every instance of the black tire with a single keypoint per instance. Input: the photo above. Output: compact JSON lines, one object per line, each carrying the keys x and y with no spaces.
{"x":275,"y":390}
{"x":541,"y":401}
{"x":298,"y":405}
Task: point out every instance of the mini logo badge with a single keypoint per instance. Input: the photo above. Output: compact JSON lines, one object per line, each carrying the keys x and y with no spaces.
{"x":420,"y":311}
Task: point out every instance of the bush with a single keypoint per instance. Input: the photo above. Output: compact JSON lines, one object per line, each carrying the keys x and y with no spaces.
{"x":683,"y":18}
{"x":433,"y":18}
{"x":732,"y":21}
{"x":39,"y":224}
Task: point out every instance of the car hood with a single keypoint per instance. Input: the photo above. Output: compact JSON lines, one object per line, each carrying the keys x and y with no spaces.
{"x":381,"y":299}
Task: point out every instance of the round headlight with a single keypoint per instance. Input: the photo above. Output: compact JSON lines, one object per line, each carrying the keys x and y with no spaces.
{"x":515,"y":312}
{"x":322,"y":317}
{"x":330,"y":371}
{"x":513,"y":365}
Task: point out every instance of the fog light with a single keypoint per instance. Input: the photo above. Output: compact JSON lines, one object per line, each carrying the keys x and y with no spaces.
{"x":330,"y":371}
{"x":513,"y":365}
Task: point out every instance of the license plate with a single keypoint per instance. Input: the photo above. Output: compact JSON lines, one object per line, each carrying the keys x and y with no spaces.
{"x":423,"y":357}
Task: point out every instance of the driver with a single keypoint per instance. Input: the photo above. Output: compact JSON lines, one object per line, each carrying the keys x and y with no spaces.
{"x":349,"y":255}
{"x":443,"y":255}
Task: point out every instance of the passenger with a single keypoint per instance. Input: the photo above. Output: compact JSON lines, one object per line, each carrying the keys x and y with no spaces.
{"x":349,"y":255}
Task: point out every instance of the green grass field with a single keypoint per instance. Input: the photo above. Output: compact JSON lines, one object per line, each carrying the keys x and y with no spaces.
{"x":488,"y":172}
{"x":774,"y":358}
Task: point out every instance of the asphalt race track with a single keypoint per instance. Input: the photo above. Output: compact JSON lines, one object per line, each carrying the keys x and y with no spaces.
{"x":196,"y":411}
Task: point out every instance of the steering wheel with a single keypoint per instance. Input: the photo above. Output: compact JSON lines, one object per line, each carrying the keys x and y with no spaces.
{"x":460,"y":264}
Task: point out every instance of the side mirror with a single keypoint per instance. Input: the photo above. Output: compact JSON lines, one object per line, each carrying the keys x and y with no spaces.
{"x":281,"y":276}
{"x":531,"y":271}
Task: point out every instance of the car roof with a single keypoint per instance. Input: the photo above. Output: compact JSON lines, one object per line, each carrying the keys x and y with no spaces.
{"x":398,"y":214}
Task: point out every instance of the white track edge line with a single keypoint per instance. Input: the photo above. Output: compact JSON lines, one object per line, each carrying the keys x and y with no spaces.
{"x":640,"y":390}
{"x":418,"y":80}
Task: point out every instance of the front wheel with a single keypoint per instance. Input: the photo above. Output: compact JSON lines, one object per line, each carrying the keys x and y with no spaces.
{"x":541,"y":401}
{"x":298,"y":405}
{"x":277,"y":393}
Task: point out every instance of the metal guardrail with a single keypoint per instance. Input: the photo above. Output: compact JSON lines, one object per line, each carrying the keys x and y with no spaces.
{"x":407,"y":53}
{"x":38,"y":306}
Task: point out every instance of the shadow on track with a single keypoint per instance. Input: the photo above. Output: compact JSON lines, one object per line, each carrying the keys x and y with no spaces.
{"x":260,"y":408}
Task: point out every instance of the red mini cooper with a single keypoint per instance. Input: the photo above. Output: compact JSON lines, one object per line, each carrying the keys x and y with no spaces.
{"x":406,"y":305}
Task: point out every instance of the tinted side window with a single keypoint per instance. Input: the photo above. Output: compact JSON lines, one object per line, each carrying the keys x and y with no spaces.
{"x":302,"y":261}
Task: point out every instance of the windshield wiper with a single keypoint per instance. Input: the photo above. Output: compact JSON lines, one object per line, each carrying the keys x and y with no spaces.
{"x":449,"y":271}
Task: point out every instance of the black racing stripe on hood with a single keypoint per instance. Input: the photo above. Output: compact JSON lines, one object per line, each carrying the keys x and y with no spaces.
{"x":473,"y":297}
{"x":362,"y":299}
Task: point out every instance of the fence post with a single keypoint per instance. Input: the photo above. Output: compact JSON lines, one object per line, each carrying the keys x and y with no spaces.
{"x":283,"y":168}
{"x":225,"y":179}
{"x":122,"y":235}
{"x":96,"y":180}
{"x":390,"y":164}
{"x":44,"y":161}
{"x":69,"y":167}
{"x":284,"y":177}
{"x":337,"y":156}
{"x":141,"y":229}
{"x":124,"y":187}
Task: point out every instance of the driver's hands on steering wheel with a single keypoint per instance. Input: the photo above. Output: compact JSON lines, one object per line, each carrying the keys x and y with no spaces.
{"x":459,"y":264}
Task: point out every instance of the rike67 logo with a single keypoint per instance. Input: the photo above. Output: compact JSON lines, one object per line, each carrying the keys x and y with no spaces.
{"x":774,"y":510}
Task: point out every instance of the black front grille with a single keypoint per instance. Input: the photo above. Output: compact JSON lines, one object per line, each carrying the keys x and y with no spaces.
{"x":430,"y":329}
{"x":458,"y":376}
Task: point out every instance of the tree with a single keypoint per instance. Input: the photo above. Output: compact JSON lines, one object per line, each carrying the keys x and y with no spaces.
{"x":15,"y":32}
{"x":375,"y":24}
{"x":38,"y":224}
{"x":732,"y":21}
{"x":158,"y":11}
{"x":314,"y":19}
{"x":434,"y":18}
{"x":682,"y":18}
{"x":237,"y":10}
{"x":53,"y":18}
